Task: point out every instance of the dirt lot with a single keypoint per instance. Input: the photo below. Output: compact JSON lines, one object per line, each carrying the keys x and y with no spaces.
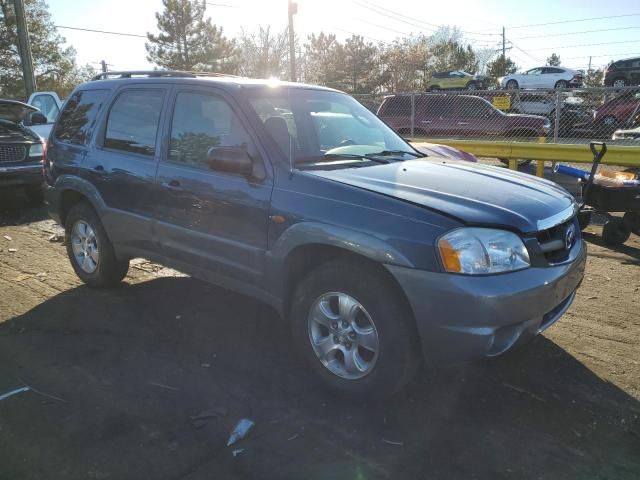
{"x":130,"y":366}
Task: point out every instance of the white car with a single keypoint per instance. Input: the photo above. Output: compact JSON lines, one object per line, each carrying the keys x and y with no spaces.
{"x":543,"y":77}
{"x":50,"y":105}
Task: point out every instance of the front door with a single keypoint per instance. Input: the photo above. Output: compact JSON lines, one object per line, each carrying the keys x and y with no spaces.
{"x":211,"y":221}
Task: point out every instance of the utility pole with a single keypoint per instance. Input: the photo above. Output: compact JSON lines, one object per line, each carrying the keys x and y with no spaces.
{"x":24,"y":48}
{"x":503,"y":44}
{"x":589,"y":68}
{"x":103,"y":65}
{"x":293,"y":9}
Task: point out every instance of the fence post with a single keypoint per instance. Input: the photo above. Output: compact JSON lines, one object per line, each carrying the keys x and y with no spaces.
{"x":556,"y":127}
{"x":413,"y":114}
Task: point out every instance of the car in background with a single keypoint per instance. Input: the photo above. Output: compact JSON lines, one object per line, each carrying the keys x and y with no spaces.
{"x":628,"y":134}
{"x":445,"y":115}
{"x":543,"y":77}
{"x":623,"y":73}
{"x":457,"y":80}
{"x":49,"y":105}
{"x":21,"y":149}
{"x":572,"y":112}
{"x":623,"y":109}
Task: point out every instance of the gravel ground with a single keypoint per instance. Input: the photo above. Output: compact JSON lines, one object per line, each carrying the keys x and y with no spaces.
{"x":119,"y":374}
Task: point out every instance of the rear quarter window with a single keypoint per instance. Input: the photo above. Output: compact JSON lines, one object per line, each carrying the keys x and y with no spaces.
{"x":79,"y":116}
{"x":397,"y":106}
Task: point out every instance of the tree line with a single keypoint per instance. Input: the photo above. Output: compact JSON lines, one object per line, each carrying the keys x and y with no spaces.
{"x":188,"y":40}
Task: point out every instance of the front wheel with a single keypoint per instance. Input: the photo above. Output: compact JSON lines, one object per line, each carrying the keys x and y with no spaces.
{"x":619,"y":83}
{"x":89,"y":249}
{"x":34,"y":193}
{"x":615,"y":231}
{"x":512,"y":85}
{"x":353,"y":330}
{"x":632,"y":220}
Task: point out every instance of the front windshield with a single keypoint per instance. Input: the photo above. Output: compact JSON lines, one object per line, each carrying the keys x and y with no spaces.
{"x":313,"y":126}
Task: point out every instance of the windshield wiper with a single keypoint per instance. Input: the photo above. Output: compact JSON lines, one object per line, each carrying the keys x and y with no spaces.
{"x":352,"y":156}
{"x":387,"y":153}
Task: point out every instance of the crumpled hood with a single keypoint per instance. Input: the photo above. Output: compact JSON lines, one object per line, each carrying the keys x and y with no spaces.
{"x":475,"y":194}
{"x":15,"y":111}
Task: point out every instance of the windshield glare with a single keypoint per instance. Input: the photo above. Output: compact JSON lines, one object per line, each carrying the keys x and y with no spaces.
{"x":311,"y":126}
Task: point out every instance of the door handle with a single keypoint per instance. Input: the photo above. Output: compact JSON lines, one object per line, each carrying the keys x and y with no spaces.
{"x":463,"y":123}
{"x":426,"y":122}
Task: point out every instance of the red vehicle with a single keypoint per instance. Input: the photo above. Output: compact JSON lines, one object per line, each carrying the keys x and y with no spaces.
{"x":617,"y":112}
{"x":457,"y":115}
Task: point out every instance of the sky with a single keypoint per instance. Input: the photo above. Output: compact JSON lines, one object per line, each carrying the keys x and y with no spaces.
{"x":532,"y":28}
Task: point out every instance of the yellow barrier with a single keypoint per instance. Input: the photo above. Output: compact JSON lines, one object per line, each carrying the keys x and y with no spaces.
{"x":554,"y":152}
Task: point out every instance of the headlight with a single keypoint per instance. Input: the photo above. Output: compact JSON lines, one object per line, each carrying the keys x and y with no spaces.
{"x":35,"y":150}
{"x":477,"y":251}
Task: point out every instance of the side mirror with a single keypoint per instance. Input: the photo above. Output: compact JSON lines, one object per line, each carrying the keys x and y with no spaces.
{"x":36,"y":118}
{"x":230,"y":160}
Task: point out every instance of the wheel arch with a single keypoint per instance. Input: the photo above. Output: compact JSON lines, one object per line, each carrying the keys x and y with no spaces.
{"x":73,"y":190}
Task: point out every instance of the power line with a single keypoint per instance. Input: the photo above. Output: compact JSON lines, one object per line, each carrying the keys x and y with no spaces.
{"x":101,"y":31}
{"x":526,"y":53}
{"x":380,"y":26}
{"x":399,"y":17}
{"x":577,"y":33}
{"x":576,"y":20}
{"x":585,"y":45}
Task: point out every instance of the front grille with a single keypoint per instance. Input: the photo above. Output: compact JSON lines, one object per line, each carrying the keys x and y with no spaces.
{"x":12,"y":153}
{"x":553,"y":241}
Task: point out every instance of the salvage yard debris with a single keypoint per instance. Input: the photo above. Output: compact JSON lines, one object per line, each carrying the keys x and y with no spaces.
{"x":241,"y":431}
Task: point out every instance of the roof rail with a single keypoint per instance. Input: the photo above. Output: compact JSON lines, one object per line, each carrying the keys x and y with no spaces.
{"x":157,"y":73}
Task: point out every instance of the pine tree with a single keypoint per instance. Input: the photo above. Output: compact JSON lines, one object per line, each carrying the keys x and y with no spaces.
{"x":188,"y":41}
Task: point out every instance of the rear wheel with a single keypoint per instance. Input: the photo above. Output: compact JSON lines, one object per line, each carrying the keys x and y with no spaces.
{"x":353,"y":330}
{"x":615,"y":231}
{"x":619,"y":83}
{"x":632,"y":220}
{"x":561,"y":84}
{"x":472,"y":86}
{"x":512,"y":85}
{"x":89,"y":249}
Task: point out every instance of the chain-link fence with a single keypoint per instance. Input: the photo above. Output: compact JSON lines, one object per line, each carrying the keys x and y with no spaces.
{"x":556,"y":116}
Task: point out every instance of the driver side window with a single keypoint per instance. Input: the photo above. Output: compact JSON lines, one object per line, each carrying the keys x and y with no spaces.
{"x":200,"y":123}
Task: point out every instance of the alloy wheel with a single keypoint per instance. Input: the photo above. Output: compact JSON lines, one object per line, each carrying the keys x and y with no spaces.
{"x":85,"y":246}
{"x":343,"y":335}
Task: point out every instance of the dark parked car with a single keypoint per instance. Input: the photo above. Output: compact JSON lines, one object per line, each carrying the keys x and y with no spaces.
{"x":619,"y":111}
{"x":376,"y":255}
{"x":623,"y":73}
{"x":21,"y":150}
{"x":440,"y":115}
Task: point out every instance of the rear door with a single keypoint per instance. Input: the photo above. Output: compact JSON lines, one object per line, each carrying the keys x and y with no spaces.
{"x":477,"y":118}
{"x":211,"y":221}
{"x":434,"y":114}
{"x":123,"y":164}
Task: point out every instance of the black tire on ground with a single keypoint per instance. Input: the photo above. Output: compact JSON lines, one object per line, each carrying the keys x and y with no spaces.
{"x":109,"y":270}
{"x":615,"y":231}
{"x":584,"y":219}
{"x":398,"y":353}
{"x":34,"y":193}
{"x":521,"y":162}
{"x":512,"y":85}
{"x":632,"y":220}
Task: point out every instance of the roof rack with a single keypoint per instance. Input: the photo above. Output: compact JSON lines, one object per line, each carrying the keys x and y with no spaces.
{"x":157,"y":73}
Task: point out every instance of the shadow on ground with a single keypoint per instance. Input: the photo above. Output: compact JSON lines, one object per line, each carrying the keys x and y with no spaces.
{"x":134,"y":363}
{"x":15,"y":208}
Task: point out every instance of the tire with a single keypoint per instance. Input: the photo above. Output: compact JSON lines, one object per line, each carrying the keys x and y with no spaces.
{"x":584,"y":219}
{"x":561,"y":84}
{"x":632,"y":221}
{"x":520,"y":162}
{"x":615,"y":231}
{"x":512,"y":85}
{"x":619,"y":83}
{"x":610,"y":121}
{"x":86,"y":238}
{"x":434,"y":88}
{"x":472,"y":86}
{"x":34,"y":194}
{"x":391,"y":356}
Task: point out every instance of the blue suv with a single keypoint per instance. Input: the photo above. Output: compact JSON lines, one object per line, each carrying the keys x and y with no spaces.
{"x":297,"y":195}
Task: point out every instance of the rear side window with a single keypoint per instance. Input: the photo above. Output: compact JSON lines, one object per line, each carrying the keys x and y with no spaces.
{"x":434,"y":106}
{"x":397,"y":106}
{"x":132,"y":125}
{"x":473,"y":108}
{"x":79,"y":116}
